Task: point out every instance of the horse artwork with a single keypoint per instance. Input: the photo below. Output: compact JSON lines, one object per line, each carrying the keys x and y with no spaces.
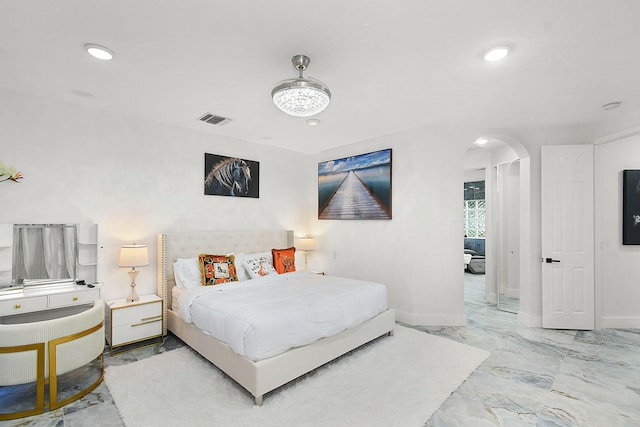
{"x":231,"y":176}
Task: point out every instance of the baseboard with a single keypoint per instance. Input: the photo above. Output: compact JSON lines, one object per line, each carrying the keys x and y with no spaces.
{"x":621,"y":322}
{"x":419,"y":319}
{"x":492,"y":298}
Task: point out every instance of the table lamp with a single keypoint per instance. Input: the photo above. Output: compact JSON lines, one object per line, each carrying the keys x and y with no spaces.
{"x":306,"y":244}
{"x":133,"y":256}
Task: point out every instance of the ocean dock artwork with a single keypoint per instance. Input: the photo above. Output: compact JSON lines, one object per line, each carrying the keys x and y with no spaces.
{"x":356,"y":187}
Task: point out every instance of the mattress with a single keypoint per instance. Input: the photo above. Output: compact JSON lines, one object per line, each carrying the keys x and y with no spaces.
{"x":264,"y":317}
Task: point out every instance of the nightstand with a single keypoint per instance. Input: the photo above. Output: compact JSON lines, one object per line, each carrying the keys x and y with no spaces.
{"x":133,"y":322}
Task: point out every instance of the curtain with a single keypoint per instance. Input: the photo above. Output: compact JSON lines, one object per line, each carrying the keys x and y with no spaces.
{"x":32,"y":249}
{"x":46,"y":252}
{"x":54,"y":256}
{"x":71,"y":249}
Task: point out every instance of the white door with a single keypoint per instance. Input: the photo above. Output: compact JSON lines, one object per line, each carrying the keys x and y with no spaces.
{"x":567,"y":237}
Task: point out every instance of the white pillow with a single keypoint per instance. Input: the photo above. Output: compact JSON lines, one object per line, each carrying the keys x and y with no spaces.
{"x":177,"y":275}
{"x":189,"y":271}
{"x":259,"y":264}
{"x":241,"y":271}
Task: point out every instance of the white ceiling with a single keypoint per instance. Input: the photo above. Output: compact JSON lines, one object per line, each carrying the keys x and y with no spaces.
{"x":391,"y":66}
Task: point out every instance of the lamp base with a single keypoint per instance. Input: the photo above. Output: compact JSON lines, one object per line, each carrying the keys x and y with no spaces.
{"x":133,"y":295}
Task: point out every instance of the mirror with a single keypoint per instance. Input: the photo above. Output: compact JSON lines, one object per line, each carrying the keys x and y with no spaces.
{"x":508,"y":264}
{"x":44,"y":254}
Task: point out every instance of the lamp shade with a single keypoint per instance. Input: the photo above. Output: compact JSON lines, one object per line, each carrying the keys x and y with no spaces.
{"x":133,"y":256}
{"x":306,"y":243}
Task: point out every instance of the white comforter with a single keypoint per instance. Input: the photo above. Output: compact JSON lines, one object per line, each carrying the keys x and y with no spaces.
{"x":264,"y":317}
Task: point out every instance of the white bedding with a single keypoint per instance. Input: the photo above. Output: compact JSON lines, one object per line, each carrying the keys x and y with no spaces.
{"x":263,"y":317}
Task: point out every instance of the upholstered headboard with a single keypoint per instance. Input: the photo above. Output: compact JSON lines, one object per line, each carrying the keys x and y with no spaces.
{"x":191,"y":244}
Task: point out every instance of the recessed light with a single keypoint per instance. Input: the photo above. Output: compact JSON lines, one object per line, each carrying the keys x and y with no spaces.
{"x":496,"y":53}
{"x":313,"y":122}
{"x":481,"y":141}
{"x":99,"y":52}
{"x":611,"y":105}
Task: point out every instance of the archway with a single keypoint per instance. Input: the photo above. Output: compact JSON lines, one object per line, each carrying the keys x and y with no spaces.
{"x":487,"y":159}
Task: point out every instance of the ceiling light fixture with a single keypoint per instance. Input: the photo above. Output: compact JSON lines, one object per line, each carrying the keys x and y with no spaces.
{"x":313,"y":122}
{"x":301,"y":97}
{"x":496,"y":53}
{"x":482,"y":141}
{"x":99,"y":52}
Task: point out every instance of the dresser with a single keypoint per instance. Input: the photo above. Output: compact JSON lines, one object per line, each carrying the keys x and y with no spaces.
{"x":39,"y":302}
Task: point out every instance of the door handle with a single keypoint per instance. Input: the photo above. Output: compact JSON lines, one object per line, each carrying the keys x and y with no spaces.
{"x":549,"y":260}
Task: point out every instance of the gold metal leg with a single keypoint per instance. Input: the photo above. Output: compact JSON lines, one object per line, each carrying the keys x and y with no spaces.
{"x":53,"y":376}
{"x":39,"y":407}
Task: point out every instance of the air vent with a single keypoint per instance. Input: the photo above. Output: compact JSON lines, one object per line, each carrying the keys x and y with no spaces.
{"x":213,"y":119}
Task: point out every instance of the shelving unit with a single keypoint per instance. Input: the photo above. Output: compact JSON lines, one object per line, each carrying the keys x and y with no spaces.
{"x":6,"y":242}
{"x":88,"y":252}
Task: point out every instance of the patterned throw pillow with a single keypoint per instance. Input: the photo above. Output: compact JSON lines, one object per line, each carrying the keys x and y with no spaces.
{"x":216,"y":269}
{"x":259,"y":264}
{"x":284,"y":260}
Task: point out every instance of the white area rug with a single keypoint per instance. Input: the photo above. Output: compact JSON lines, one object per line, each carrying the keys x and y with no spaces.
{"x":396,"y":381}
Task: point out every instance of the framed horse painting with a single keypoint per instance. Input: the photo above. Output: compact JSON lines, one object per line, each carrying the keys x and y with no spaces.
{"x":231,"y":176}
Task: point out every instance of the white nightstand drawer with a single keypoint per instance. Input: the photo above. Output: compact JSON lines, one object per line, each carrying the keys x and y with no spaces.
{"x":136,"y":332}
{"x":23,"y":305}
{"x":73,"y":298}
{"x":133,"y":322}
{"x":131,"y":314}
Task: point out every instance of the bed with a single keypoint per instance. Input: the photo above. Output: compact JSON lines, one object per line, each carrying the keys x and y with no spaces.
{"x":256,"y":374}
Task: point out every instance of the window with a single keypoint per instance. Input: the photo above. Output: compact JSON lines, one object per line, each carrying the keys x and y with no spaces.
{"x":474,"y":209}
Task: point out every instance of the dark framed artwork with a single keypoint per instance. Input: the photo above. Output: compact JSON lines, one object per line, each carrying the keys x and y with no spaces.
{"x":356,"y":187}
{"x":631,"y":207}
{"x":231,"y":176}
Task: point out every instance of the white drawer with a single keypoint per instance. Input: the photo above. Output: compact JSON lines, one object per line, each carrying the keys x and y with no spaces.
{"x":73,"y":298}
{"x":136,"y":313}
{"x":136,"y":332}
{"x":23,"y":305}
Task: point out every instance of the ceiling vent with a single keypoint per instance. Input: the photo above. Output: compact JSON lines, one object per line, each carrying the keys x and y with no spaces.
{"x":213,"y":119}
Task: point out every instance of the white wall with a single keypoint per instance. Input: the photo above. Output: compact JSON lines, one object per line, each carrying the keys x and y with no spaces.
{"x":135,"y":179}
{"x":617,"y":266}
{"x":417,"y":254}
{"x":138,"y":178}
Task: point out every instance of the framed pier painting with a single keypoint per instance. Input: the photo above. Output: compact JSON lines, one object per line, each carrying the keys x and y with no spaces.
{"x":356,"y":187}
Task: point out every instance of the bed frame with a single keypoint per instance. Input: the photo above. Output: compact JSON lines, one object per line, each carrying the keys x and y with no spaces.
{"x":266,"y":375}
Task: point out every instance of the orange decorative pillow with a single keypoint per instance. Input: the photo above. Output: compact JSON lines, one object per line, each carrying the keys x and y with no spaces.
{"x":284,"y":260}
{"x":216,"y":269}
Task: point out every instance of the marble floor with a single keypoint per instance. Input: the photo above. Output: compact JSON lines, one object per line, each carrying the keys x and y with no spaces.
{"x":533,"y":377}
{"x":541,"y":377}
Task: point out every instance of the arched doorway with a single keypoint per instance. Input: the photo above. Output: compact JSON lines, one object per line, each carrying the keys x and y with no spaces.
{"x":505,"y":150}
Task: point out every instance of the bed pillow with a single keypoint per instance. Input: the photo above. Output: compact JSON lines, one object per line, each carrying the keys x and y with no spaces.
{"x":216,"y":269}
{"x":241,"y":271}
{"x":189,"y":272}
{"x":259,"y":264}
{"x":177,"y":275}
{"x":284,"y":260}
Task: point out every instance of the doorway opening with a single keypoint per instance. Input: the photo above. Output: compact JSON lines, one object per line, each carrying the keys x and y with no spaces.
{"x":504,"y":166}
